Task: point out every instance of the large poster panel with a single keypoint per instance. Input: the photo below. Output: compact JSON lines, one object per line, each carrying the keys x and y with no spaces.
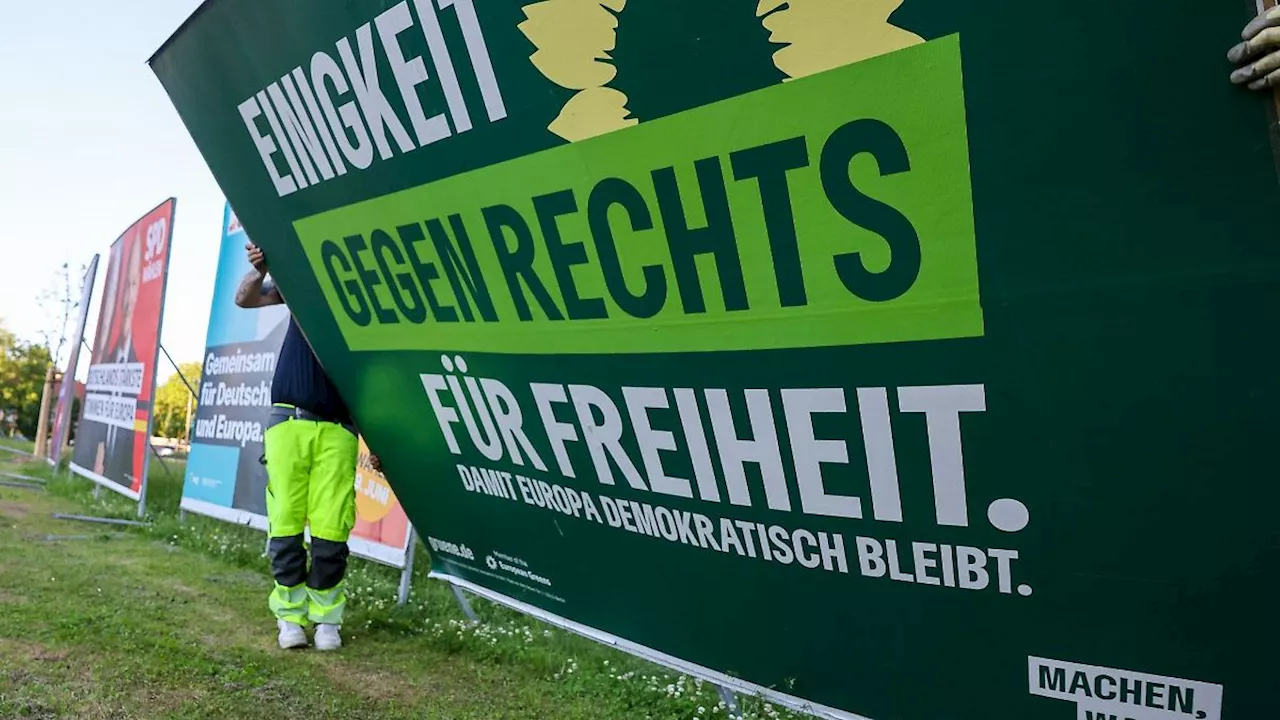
{"x":860,"y":354}
{"x":67,"y":391}
{"x":225,"y":477}
{"x":112,"y":439}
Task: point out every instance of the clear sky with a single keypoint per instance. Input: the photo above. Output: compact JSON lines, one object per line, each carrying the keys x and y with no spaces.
{"x":88,"y":143}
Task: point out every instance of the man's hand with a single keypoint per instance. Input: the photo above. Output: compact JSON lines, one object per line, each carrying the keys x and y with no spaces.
{"x":375,"y":462}
{"x":257,"y":258}
{"x":1258,"y":57}
{"x":253,"y":292}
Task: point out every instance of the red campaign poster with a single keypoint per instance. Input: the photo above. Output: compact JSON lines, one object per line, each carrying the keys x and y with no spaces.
{"x":115,"y":420}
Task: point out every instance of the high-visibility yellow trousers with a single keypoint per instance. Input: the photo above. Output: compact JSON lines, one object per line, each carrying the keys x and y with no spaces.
{"x":311,"y":468}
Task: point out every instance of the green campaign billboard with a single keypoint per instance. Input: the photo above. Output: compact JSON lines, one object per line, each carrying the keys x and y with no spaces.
{"x":897,"y":359}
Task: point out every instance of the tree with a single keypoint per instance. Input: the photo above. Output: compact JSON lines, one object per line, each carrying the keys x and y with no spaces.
{"x":22,"y":370}
{"x":172,"y":400}
{"x":7,"y":338}
{"x":59,"y":302}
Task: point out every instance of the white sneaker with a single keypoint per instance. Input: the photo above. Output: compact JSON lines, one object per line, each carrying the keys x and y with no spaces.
{"x":327,"y":637}
{"x":291,"y":635}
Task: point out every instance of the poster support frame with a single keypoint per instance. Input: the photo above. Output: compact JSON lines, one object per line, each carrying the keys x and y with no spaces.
{"x":57,"y":444}
{"x":164,"y":296}
{"x":713,"y":677}
{"x":463,"y":602}
{"x":178,"y":370}
{"x":406,"y":573}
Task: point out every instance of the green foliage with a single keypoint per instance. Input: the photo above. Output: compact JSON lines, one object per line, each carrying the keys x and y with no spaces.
{"x":22,"y":369}
{"x":171,"y":402}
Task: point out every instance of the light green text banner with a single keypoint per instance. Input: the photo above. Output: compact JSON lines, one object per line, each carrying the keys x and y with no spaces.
{"x":833,"y":210}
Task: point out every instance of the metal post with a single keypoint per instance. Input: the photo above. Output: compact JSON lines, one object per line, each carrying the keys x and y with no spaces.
{"x":463,"y":603}
{"x":178,"y":370}
{"x":97,"y":492}
{"x":730,"y":701}
{"x":182,"y":516}
{"x":23,"y":478}
{"x":104,"y":521}
{"x":406,"y":574}
{"x":42,"y":423}
{"x":142,"y":493}
{"x":160,"y":459}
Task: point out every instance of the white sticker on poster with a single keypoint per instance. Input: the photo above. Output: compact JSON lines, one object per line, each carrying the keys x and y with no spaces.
{"x":1102,"y":693}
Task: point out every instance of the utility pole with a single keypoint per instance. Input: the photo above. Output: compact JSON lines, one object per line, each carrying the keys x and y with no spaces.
{"x":186,"y":429}
{"x":42,"y":425}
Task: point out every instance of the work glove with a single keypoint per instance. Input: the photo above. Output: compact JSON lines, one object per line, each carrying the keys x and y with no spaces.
{"x":1258,"y":57}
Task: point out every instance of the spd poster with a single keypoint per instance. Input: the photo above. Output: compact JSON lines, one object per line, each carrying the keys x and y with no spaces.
{"x":225,"y":477}
{"x":112,"y":439}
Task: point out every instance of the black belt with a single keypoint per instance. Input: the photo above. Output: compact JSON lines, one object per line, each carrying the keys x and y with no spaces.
{"x":284,"y":413}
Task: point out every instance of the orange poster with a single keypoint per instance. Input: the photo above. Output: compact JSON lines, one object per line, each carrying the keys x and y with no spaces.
{"x":382,"y":529}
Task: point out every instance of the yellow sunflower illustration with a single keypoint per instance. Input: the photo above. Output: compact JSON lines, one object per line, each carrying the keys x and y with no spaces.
{"x":575,"y":42}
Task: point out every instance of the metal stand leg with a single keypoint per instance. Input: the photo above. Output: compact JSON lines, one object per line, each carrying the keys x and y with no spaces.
{"x":104,"y":521}
{"x":182,"y":516}
{"x":406,"y":575}
{"x":730,"y":700}
{"x":97,"y":498}
{"x":463,"y":603}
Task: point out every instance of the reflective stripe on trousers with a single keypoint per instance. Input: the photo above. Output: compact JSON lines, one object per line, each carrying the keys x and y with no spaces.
{"x":310,"y":481}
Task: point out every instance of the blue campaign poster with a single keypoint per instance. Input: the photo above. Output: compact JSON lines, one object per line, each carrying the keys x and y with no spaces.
{"x":225,"y":478}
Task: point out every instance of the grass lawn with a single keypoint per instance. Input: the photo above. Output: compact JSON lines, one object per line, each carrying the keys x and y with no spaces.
{"x":170,"y":621}
{"x":14,"y":443}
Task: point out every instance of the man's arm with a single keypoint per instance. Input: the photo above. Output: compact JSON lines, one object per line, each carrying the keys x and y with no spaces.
{"x":256,"y":291}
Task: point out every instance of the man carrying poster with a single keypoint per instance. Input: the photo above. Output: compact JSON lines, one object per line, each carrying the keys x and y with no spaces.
{"x":311,"y":448}
{"x":115,"y":421}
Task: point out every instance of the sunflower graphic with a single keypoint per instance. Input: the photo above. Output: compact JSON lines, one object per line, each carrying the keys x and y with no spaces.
{"x":605,"y":51}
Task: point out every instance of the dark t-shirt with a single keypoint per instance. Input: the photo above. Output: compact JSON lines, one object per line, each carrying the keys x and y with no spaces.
{"x":300,"y":381}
